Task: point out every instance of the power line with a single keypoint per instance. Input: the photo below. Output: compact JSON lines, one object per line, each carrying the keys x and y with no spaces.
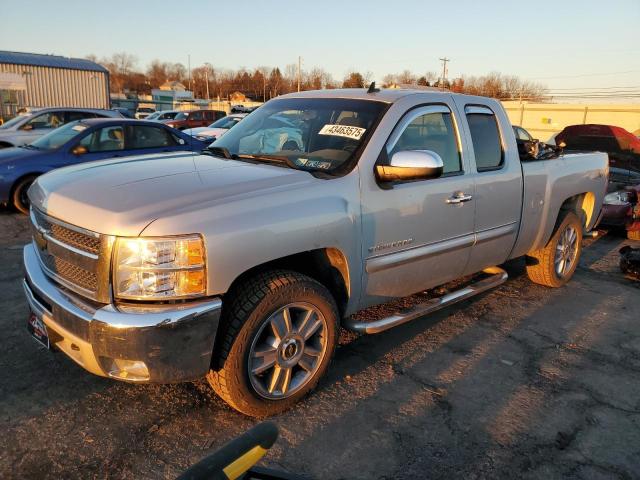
{"x":586,"y":75}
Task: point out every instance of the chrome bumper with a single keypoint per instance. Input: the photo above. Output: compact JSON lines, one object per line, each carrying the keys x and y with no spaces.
{"x":138,"y":343}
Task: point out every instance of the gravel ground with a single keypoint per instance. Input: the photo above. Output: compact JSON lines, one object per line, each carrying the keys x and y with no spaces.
{"x":522,"y":382}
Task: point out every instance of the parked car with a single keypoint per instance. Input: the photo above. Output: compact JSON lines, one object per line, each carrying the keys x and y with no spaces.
{"x":242,"y":263}
{"x":79,"y":142}
{"x":216,"y":129}
{"x":144,"y":112}
{"x":523,"y":139}
{"x":622,"y":147}
{"x":622,"y":209}
{"x":195,"y":118}
{"x":242,"y":109}
{"x":125,"y":112}
{"x":24,"y":129}
{"x":163,"y":115}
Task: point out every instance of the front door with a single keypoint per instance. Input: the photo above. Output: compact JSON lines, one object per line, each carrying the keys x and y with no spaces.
{"x":419,"y":234}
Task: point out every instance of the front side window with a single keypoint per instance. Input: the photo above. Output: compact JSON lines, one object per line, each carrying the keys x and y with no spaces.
{"x":313,"y":134}
{"x":428,"y":128}
{"x":104,"y":139}
{"x":46,"y":120}
{"x":149,"y":137}
{"x":182,"y":116}
{"x":196,"y":116}
{"x":485,"y":138}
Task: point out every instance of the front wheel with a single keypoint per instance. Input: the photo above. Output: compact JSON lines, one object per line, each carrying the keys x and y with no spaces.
{"x":277,"y":339}
{"x":19,"y":198}
{"x":555,"y":264}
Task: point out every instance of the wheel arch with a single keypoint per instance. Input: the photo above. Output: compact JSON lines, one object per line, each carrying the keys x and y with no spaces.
{"x":328,"y":266}
{"x":15,"y":183}
{"x":582,"y":204}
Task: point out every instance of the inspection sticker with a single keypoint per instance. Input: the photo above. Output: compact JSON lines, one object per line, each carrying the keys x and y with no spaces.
{"x":354,"y":133}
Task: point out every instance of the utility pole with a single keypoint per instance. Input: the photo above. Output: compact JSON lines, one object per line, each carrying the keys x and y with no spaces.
{"x":206,"y":76}
{"x":189,"y":64}
{"x":444,"y":70}
{"x":299,"y":61}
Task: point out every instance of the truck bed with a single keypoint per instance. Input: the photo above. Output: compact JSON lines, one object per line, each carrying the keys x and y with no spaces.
{"x":546,"y":186}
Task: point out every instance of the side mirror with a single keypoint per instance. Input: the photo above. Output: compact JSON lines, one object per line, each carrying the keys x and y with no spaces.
{"x":28,"y":126}
{"x":79,"y":150}
{"x":411,"y":165}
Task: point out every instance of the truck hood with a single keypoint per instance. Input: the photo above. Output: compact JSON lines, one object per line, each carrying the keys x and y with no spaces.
{"x":122,"y":197}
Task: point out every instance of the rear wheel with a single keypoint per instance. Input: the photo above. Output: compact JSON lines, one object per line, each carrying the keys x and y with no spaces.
{"x":277,"y":338}
{"x":555,"y":264}
{"x":19,"y":198}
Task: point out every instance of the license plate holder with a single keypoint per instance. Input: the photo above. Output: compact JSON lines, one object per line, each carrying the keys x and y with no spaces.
{"x":38,"y":329}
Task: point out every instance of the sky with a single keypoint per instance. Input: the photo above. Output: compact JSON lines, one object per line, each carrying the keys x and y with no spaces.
{"x":567,"y":45}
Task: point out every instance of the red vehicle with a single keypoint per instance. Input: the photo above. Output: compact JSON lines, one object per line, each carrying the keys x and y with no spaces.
{"x":195,"y":118}
{"x":622,"y":146}
{"x":622,"y":209}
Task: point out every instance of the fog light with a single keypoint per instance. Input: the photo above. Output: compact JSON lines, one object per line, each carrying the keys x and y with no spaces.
{"x":132,"y":370}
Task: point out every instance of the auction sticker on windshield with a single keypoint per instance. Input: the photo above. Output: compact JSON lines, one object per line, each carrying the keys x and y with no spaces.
{"x":355,"y":133}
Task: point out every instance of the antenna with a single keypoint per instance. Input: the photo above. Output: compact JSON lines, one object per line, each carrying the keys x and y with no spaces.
{"x":372,"y":88}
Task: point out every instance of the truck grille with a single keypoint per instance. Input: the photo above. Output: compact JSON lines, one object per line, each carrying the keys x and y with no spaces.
{"x":72,"y":256}
{"x":81,"y":241}
{"x":71,"y":273}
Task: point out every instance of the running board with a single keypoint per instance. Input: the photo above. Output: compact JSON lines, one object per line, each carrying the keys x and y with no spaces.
{"x":498,"y":277}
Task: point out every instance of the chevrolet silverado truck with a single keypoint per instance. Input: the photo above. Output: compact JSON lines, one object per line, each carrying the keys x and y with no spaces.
{"x":242,"y":262}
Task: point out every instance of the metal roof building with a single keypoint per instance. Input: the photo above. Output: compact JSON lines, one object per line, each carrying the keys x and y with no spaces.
{"x":35,"y":80}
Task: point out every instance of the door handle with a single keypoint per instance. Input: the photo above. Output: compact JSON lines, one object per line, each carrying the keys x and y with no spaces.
{"x":459,"y":197}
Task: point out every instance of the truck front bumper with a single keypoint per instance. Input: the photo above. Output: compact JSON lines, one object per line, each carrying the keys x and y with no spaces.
{"x":136,"y":343}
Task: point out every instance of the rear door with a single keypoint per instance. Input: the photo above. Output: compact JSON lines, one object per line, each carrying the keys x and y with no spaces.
{"x":415,"y":236}
{"x":143,"y":139}
{"x":196,"y":119}
{"x":498,"y":183}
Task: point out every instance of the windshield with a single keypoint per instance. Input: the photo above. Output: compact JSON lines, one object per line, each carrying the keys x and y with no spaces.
{"x":182,"y":116}
{"x":225,"y":122}
{"x":15,"y":121}
{"x":319,"y":134}
{"x":59,"y":136}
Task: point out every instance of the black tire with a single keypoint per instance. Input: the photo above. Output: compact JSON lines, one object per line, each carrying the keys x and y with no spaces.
{"x":250,"y":306}
{"x":541,"y":264}
{"x":19,"y":198}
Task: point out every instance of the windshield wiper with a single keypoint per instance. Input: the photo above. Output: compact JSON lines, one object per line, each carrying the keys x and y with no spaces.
{"x":269,"y":158}
{"x":28,"y":146}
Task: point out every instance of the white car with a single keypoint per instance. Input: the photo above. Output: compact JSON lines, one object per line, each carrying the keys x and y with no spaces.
{"x":163,"y":115}
{"x":216,"y":129}
{"x":26,"y":128}
{"x":144,"y":112}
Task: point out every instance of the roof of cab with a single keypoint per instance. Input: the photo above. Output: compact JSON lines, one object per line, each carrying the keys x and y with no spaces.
{"x":387,"y":95}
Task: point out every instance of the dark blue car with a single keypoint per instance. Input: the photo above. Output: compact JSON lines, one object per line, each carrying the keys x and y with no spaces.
{"x":83,"y":141}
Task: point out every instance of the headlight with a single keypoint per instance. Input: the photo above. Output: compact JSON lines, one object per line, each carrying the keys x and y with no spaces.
{"x":159,"y":268}
{"x":617,"y":198}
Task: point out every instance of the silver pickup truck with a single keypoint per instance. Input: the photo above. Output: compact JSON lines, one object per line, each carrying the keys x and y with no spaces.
{"x":241,"y":263}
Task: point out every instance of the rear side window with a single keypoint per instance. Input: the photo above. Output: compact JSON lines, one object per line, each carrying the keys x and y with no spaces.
{"x":149,"y":137}
{"x":73,"y":116}
{"x":485,"y":137}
